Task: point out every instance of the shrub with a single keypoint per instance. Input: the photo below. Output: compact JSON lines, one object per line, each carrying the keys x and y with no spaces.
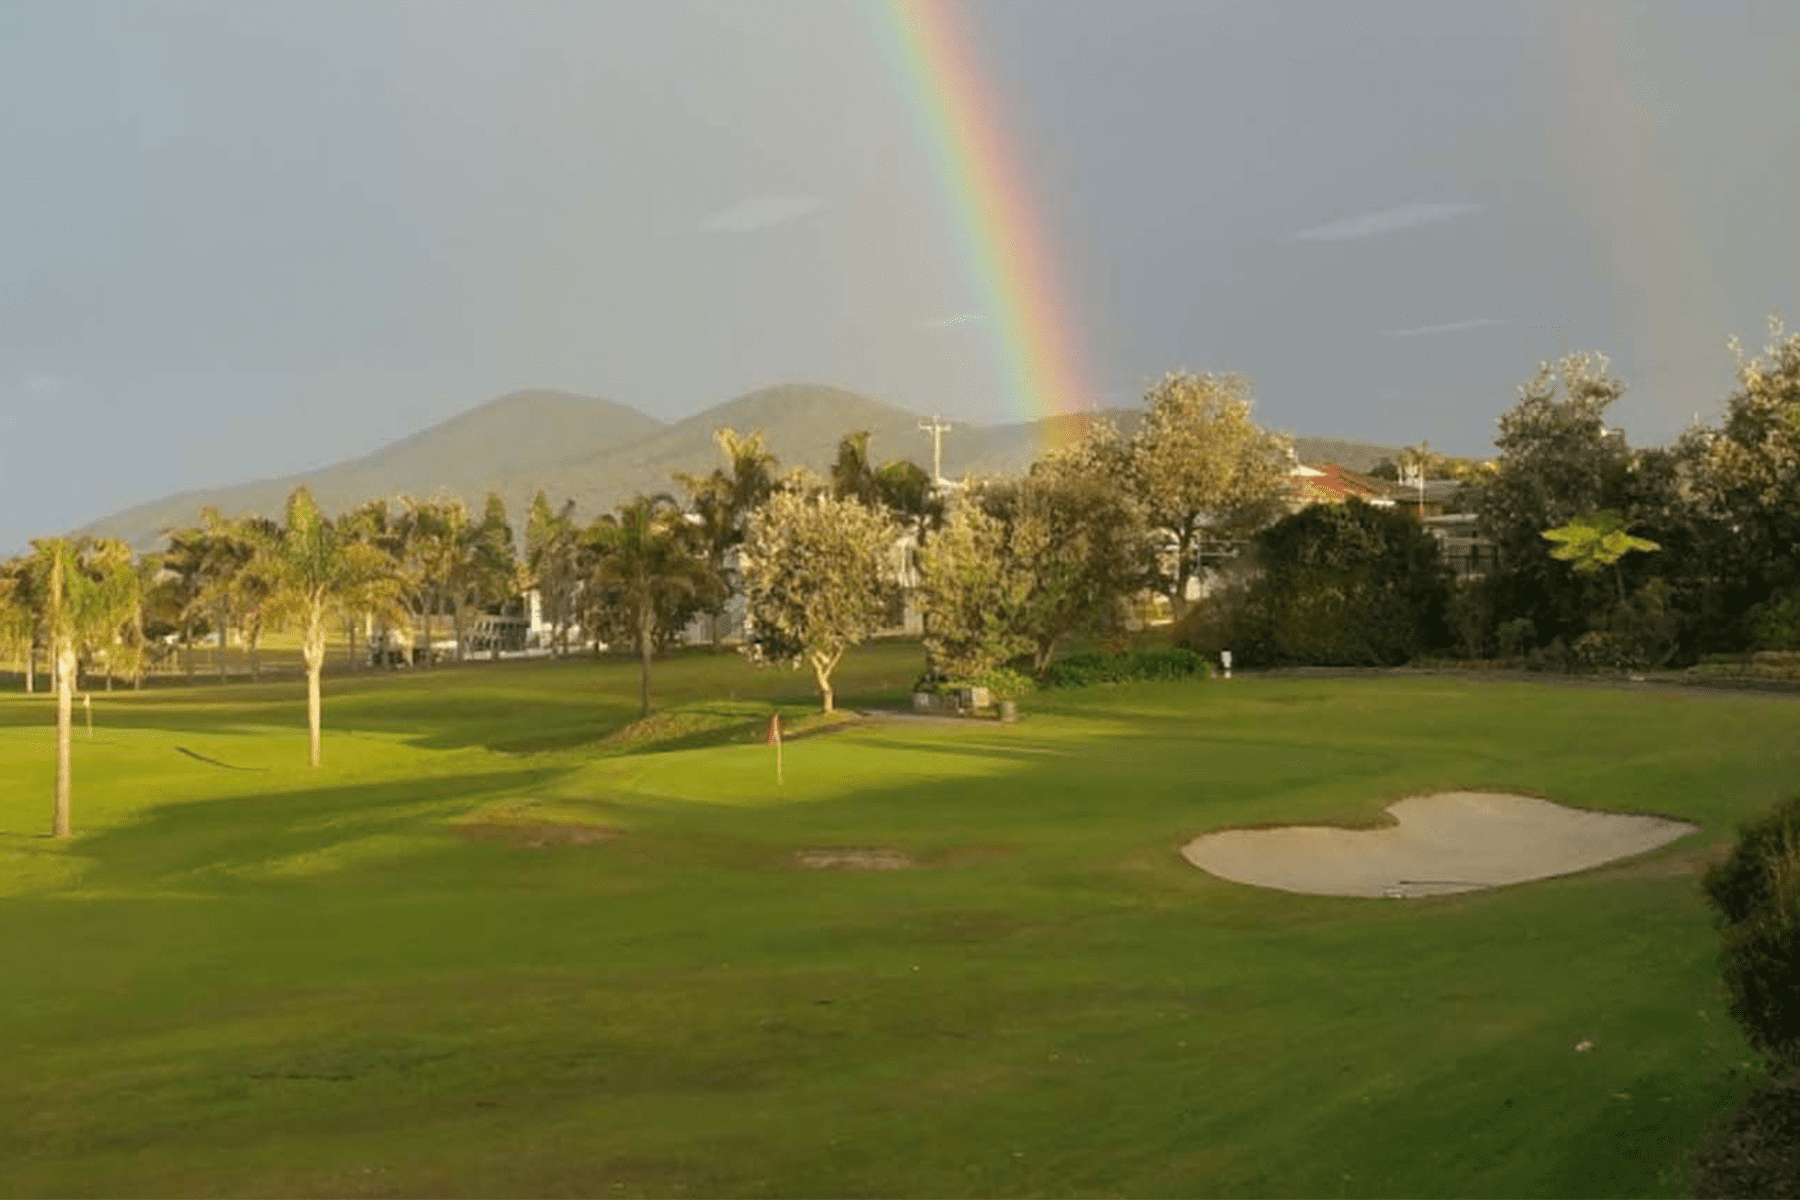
{"x":1757,"y":894}
{"x":1004,"y":683}
{"x":1516,"y":637}
{"x":1085,"y":670}
{"x":1776,"y":622}
{"x":1755,"y":1151}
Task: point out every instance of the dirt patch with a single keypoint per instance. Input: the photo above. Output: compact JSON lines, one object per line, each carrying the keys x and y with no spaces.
{"x":847,"y":858}
{"x":536,"y":835}
{"x":1449,"y":842}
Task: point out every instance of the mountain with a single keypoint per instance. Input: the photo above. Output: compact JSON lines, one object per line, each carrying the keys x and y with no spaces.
{"x":598,"y":453}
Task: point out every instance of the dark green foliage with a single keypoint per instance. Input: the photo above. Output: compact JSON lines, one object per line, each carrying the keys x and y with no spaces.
{"x":1757,"y":894}
{"x":1340,"y":585}
{"x":1516,"y":636}
{"x":1755,"y":1151}
{"x":1085,"y":670}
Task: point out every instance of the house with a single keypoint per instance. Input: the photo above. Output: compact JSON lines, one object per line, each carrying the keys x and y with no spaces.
{"x":1328,"y":483}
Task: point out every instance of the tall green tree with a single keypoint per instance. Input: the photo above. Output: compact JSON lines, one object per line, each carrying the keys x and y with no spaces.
{"x":721,"y":503}
{"x":317,"y":569}
{"x":819,"y":574}
{"x":1204,"y":469}
{"x":649,"y":576}
{"x":554,"y":564}
{"x":20,"y":622}
{"x":89,"y":586}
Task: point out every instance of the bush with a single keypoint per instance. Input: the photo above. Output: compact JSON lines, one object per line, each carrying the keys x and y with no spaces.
{"x":1085,"y":670}
{"x":1516,"y":637}
{"x":1755,"y":1151}
{"x":1004,"y":683}
{"x":1776,"y":622}
{"x":1757,"y":894}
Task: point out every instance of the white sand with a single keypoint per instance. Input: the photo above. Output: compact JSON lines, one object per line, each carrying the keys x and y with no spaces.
{"x":1449,"y":842}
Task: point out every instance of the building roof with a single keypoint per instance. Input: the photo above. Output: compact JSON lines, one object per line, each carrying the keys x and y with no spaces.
{"x":1437,"y":491}
{"x":1328,"y":483}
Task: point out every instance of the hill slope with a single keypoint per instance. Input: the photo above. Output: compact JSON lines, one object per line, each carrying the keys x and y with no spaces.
{"x":598,"y":453}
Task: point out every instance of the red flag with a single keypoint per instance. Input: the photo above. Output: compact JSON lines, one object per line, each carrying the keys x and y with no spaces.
{"x":774,"y":729}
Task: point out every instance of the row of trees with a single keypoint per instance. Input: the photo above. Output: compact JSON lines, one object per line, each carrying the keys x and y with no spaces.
{"x":1609,"y":556}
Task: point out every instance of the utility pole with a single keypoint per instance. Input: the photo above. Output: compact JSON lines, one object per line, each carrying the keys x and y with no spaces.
{"x":937,"y":429}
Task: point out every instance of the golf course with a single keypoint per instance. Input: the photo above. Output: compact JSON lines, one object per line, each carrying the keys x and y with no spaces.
{"x":509,"y":939}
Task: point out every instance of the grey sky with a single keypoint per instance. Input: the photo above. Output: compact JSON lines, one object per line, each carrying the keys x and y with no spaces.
{"x":244,"y":239}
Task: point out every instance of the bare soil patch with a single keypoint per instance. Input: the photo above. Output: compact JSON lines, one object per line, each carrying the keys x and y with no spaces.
{"x":536,"y":835}
{"x":849,"y":858}
{"x":1438,"y":844}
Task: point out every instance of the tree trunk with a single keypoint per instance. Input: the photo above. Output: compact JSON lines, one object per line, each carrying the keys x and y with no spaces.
{"x":65,"y":723}
{"x":1041,"y":658}
{"x":313,"y":651}
{"x":187,"y":648}
{"x":822,"y":676}
{"x":428,"y":634}
{"x":252,"y":636}
{"x":646,"y":631}
{"x":1184,"y":546}
{"x":219,"y":652}
{"x":31,"y":666}
{"x":456,"y":627}
{"x":349,"y":643}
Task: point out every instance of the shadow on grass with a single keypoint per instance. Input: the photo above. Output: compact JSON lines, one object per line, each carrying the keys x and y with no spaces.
{"x":214,"y":762}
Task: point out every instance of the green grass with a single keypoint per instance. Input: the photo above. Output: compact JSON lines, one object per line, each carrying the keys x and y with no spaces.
{"x":404,"y":975}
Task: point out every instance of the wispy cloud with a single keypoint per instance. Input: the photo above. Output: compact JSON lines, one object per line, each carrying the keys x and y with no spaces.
{"x":952,"y":322}
{"x":760,"y":212}
{"x":1448,"y":327}
{"x":1388,"y":220}
{"x":46,"y":383}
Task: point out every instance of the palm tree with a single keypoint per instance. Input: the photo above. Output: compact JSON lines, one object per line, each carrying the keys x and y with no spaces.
{"x":853,"y":472}
{"x":483,"y":570}
{"x":316,"y":567}
{"x":646,"y":565}
{"x":223,"y":552}
{"x":373,"y":525}
{"x":184,"y":559}
{"x":721,"y":503}
{"x":553,"y":557}
{"x":89,"y":587}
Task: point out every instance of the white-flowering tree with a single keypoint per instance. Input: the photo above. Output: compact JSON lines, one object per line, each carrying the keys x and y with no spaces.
{"x":1204,"y":468}
{"x":819,"y":578}
{"x":975,"y":591}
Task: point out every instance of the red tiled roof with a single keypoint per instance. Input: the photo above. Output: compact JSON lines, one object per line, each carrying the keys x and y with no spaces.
{"x":1334,"y":485}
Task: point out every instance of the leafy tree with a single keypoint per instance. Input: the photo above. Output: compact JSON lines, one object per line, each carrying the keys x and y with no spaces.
{"x":1204,"y":468}
{"x":20,"y":607}
{"x":1341,"y":585}
{"x":819,"y":574}
{"x":430,"y":546}
{"x":1557,"y":461}
{"x":485,"y":568}
{"x":554,"y":566}
{"x":318,"y":567}
{"x":722,"y":502}
{"x":975,"y":591}
{"x":1749,"y":470}
{"x":1069,"y":548}
{"x":1595,"y":542}
{"x":89,"y":585}
{"x":648,"y":578}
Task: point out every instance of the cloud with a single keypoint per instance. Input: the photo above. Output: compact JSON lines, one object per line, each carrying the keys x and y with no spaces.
{"x":1450,"y":327}
{"x":952,"y":322}
{"x":46,"y":383}
{"x":760,"y":212}
{"x":1387,"y":220}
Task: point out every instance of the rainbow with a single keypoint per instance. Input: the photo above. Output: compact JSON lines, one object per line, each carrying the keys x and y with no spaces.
{"x":1001,"y":238}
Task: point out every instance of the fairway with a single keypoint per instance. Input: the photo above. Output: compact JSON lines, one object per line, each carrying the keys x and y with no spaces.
{"x":506,"y":942}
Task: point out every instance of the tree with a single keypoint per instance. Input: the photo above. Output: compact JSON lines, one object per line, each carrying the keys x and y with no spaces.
{"x":722,"y":503}
{"x":317,"y":567}
{"x":430,"y":538}
{"x":485,"y":568}
{"x":553,"y":559}
{"x":648,"y":576}
{"x":1204,"y":468}
{"x":1333,"y":585}
{"x":89,"y":586}
{"x":819,"y":577}
{"x":1595,"y":542}
{"x":19,"y":615}
{"x":1557,"y":461}
{"x":1749,"y":469}
{"x":1060,"y":551}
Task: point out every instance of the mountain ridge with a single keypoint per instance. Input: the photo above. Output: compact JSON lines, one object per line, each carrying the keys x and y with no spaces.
{"x":598,"y":452}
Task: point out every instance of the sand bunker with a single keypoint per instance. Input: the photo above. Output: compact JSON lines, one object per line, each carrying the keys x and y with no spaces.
{"x":1449,"y":842}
